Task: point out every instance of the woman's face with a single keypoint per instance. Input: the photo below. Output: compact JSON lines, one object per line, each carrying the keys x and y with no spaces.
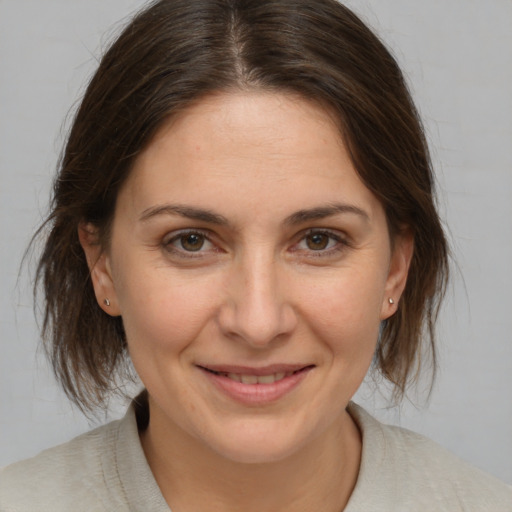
{"x":251,"y":268}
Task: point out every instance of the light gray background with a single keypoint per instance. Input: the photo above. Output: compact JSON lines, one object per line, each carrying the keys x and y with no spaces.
{"x":458,"y":57}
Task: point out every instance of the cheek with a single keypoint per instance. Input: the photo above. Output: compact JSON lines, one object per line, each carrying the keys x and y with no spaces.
{"x":345,"y":310}
{"x":162,"y":312}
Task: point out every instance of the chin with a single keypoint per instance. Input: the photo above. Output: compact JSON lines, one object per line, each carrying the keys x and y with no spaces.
{"x":259,"y":444}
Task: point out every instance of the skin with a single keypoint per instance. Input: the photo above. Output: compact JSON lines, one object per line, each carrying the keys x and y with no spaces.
{"x":267,"y":286}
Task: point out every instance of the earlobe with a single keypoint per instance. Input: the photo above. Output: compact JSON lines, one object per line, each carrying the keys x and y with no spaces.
{"x":100,"y":270}
{"x":403,"y":249}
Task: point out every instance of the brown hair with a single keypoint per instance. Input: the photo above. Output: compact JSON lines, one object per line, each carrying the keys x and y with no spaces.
{"x":173,"y":53}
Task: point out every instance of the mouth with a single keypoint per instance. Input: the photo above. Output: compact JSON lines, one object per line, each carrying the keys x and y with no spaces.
{"x":257,"y":376}
{"x":256,"y":387}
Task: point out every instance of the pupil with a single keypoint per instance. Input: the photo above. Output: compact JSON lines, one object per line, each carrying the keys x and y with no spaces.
{"x":318,"y":241}
{"x":192,"y":242}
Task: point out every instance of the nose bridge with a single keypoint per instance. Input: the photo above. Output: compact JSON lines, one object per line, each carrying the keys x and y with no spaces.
{"x":258,"y":310}
{"x":260,"y":286}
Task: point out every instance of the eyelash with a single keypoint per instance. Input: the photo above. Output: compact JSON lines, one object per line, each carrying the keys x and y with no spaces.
{"x":340,"y":243}
{"x":180,"y":235}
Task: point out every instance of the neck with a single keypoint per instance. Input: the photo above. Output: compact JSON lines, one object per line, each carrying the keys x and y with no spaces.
{"x":192,"y":477}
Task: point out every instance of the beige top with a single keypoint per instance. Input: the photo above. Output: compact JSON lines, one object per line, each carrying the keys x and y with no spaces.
{"x":106,"y":470}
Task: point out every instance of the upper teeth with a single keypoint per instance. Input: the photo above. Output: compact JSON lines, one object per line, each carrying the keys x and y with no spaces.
{"x":258,"y":379}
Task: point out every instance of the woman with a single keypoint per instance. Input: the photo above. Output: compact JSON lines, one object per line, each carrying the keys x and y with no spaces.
{"x":244,"y":211}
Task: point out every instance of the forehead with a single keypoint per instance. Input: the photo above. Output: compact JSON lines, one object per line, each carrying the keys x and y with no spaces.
{"x":275,"y":147}
{"x":243,"y":123}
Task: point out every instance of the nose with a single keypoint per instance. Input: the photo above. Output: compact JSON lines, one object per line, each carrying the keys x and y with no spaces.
{"x":256,"y":309}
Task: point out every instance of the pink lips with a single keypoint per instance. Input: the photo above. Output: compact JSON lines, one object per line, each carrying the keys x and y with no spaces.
{"x":256,"y":386}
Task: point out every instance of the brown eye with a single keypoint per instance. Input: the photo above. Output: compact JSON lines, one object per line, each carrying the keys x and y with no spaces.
{"x":192,"y":241}
{"x":317,"y":241}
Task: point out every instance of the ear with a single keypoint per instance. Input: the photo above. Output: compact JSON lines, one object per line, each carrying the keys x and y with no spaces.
{"x":401,"y":256}
{"x":98,"y":262}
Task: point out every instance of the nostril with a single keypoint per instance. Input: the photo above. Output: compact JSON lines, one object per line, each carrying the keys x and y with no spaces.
{"x":256,"y":309}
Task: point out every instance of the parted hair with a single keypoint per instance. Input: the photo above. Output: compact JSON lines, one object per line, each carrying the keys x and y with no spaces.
{"x":170,"y":55}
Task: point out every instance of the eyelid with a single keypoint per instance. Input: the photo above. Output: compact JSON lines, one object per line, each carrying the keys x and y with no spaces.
{"x":172,"y":236}
{"x":339,"y":237}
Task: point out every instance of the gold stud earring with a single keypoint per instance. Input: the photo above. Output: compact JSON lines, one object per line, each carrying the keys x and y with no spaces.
{"x":106,"y":302}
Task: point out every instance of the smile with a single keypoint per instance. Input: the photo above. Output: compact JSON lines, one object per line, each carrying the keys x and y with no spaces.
{"x":254,"y":379}
{"x":256,"y":386}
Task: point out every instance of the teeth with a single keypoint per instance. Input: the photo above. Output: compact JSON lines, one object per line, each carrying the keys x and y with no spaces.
{"x":266,"y":379}
{"x":258,"y":379}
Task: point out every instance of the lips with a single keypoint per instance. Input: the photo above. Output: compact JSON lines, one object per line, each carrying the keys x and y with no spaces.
{"x":256,"y":386}
{"x":257,"y":379}
{"x":255,"y":376}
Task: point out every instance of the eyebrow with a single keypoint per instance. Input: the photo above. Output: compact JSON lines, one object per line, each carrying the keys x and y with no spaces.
{"x":323,"y":212}
{"x":184,"y":211}
{"x":299,"y":217}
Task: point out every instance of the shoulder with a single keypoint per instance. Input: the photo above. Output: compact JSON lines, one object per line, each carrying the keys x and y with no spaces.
{"x":66,"y":477}
{"x":411,"y":472}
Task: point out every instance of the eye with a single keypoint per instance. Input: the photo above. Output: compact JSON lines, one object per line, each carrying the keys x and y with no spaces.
{"x":191,"y":241}
{"x":188,"y":242}
{"x":320,"y":243}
